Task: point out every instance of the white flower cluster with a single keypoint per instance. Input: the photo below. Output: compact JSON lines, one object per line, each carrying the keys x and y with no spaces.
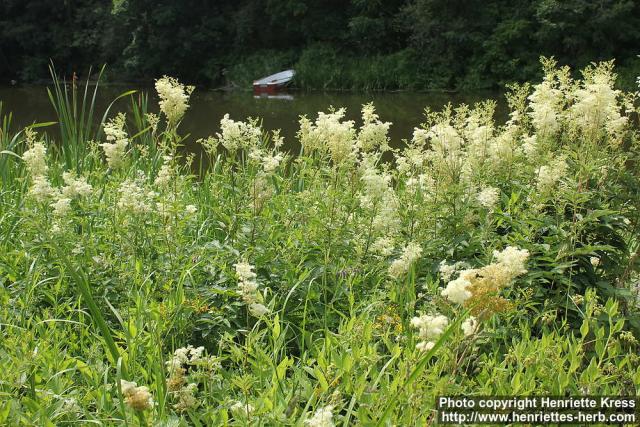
{"x":188,"y":355}
{"x":238,"y":135}
{"x":375,"y":186}
{"x":419,"y":137}
{"x":184,"y":392}
{"x":448,"y":270}
{"x":276,"y":139}
{"x":61,"y":207}
{"x":117,"y":141}
{"x":41,"y":190}
{"x":378,"y":196}
{"x":488,"y":197}
{"x":596,"y":104}
{"x":242,"y":410}
{"x":152,"y":120}
{"x":529,"y":145}
{"x":261,"y":190}
{"x":382,"y":246}
{"x":509,"y":264}
{"x":373,"y":132}
{"x":429,"y":329}
{"x":546,"y":106}
{"x":446,"y":145}
{"x":479,"y":129}
{"x":463,"y":146}
{"x":503,"y":147}
{"x":166,"y":173}
{"x":134,"y":198}
{"x":247,"y":284}
{"x":410,"y":165}
{"x":271,"y":161}
{"x":248,"y":289}
{"x":174,"y":98}
{"x":470,"y":326}
{"x":323,"y":417}
{"x":138,"y":398}
{"x":410,"y":254}
{"x":445,"y":139}
{"x":186,"y":397}
{"x":456,"y":290}
{"x":512,"y":260}
{"x":549,"y":175}
{"x":387,"y":218}
{"x":35,"y":159}
{"x":329,"y":133}
{"x":421,"y":182}
{"x":447,"y":156}
{"x":75,"y":186}
{"x":268,"y":160}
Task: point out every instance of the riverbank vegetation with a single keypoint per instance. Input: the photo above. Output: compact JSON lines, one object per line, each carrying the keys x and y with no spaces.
{"x":370,"y":45}
{"x":351,"y":282}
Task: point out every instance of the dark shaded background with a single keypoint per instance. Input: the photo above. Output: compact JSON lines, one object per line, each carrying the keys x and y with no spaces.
{"x":352,"y":44}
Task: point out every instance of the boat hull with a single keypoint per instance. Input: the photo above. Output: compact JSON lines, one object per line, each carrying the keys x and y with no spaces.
{"x":268,"y":88}
{"x":274,"y":82}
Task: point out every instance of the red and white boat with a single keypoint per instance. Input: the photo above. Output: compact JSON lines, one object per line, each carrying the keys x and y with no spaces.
{"x":274,"y":82}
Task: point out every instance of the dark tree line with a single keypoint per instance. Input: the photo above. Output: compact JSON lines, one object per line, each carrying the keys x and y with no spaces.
{"x":362,"y":44}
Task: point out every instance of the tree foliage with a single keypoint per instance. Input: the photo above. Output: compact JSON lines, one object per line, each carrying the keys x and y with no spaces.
{"x":369,"y":44}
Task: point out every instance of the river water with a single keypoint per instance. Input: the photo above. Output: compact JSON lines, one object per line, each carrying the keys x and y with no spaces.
{"x":404,"y":110}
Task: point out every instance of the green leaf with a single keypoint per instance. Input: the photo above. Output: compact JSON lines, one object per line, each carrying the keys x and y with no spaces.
{"x":584,"y":329}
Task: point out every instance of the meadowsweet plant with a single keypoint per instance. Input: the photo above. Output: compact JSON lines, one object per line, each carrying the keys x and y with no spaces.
{"x":481,"y":285}
{"x":236,"y":135}
{"x":187,"y":369}
{"x":342,"y":278}
{"x":401,"y":266}
{"x":373,"y":133}
{"x":547,"y":101}
{"x":174,"y":99}
{"x":448,"y":270}
{"x":35,"y":158}
{"x":137,"y":398}
{"x":488,"y":197}
{"x":165,"y":174}
{"x":134,"y":198}
{"x":549,"y":175}
{"x":429,"y":329}
{"x":41,"y":189}
{"x":323,"y":417}
{"x":75,"y":186}
{"x":117,"y":140}
{"x":470,"y":326}
{"x":248,"y":289}
{"x":329,"y":134}
{"x":242,"y":410}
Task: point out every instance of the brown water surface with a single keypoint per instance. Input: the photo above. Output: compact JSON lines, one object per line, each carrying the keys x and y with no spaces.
{"x":405,"y":110}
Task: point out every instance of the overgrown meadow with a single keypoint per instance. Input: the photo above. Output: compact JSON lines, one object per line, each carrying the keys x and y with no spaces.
{"x":349,"y":283}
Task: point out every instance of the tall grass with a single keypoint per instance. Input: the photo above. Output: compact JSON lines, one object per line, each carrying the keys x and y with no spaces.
{"x":75,"y":109}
